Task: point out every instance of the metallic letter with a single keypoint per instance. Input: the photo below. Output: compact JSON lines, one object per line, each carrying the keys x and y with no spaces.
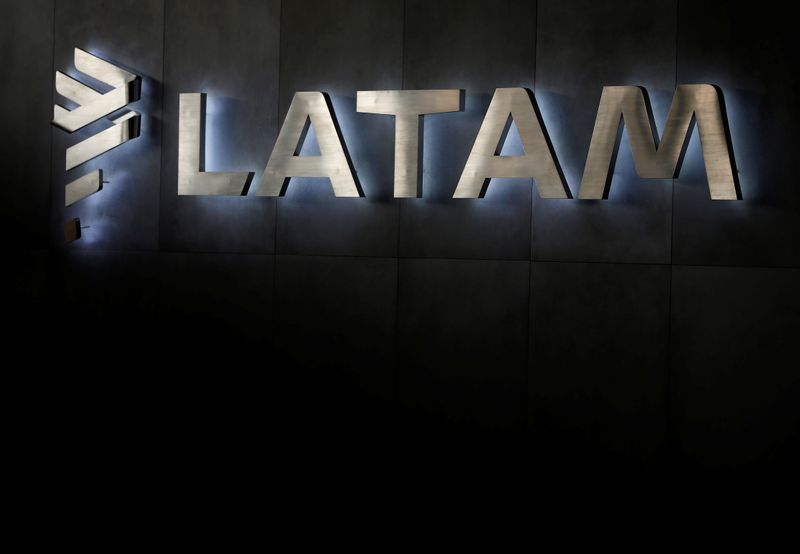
{"x":408,"y":107}
{"x":83,"y":187}
{"x":125,"y":128}
{"x":192,"y":179}
{"x":538,"y":162}
{"x":284,"y":163}
{"x":92,"y":104}
{"x":659,"y":161}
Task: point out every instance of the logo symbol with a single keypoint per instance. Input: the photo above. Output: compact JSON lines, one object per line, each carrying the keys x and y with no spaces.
{"x":91,"y":106}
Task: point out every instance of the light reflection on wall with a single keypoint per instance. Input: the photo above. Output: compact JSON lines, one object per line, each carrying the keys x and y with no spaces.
{"x":225,"y":150}
{"x":554,"y":109}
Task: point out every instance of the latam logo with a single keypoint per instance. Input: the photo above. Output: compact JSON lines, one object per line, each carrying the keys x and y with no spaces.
{"x":699,"y":105}
{"x":90,"y":106}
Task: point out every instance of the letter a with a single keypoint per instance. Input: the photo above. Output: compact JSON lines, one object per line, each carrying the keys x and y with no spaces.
{"x":285,"y":162}
{"x":485,"y":162}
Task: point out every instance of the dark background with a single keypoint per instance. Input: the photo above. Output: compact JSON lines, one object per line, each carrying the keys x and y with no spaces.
{"x":649,"y":338}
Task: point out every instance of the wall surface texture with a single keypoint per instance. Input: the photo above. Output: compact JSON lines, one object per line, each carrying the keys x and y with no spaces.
{"x":650,"y":336}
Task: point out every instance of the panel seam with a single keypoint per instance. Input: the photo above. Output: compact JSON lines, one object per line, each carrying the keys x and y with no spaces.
{"x":163,"y":107}
{"x":275,"y":225}
{"x":669,"y":400}
{"x":53,"y":182}
{"x":396,"y":368}
{"x":529,"y":351}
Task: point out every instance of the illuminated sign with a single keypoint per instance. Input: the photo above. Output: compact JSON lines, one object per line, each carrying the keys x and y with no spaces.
{"x":620,"y":106}
{"x":91,"y":106}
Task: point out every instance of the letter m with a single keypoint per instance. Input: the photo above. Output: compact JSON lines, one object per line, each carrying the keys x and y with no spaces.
{"x":653,"y":159}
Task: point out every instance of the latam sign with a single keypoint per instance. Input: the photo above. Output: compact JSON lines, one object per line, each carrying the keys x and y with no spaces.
{"x":619,"y":105}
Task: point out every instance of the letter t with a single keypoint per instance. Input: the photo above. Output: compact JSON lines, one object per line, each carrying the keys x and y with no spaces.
{"x":408,"y":107}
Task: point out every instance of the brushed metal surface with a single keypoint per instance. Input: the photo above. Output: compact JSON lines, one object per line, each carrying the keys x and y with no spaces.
{"x":309,"y":108}
{"x":193,"y":180}
{"x":101,"y":70}
{"x":627,"y":105}
{"x":408,"y":107}
{"x":125,"y":128}
{"x":59,"y":111}
{"x":92,"y":104}
{"x":82,"y":187}
{"x":485,"y":162}
{"x":74,"y":90}
{"x":82,"y":116}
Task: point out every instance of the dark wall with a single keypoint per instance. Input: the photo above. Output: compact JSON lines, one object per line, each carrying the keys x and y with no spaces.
{"x":649,"y":337}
